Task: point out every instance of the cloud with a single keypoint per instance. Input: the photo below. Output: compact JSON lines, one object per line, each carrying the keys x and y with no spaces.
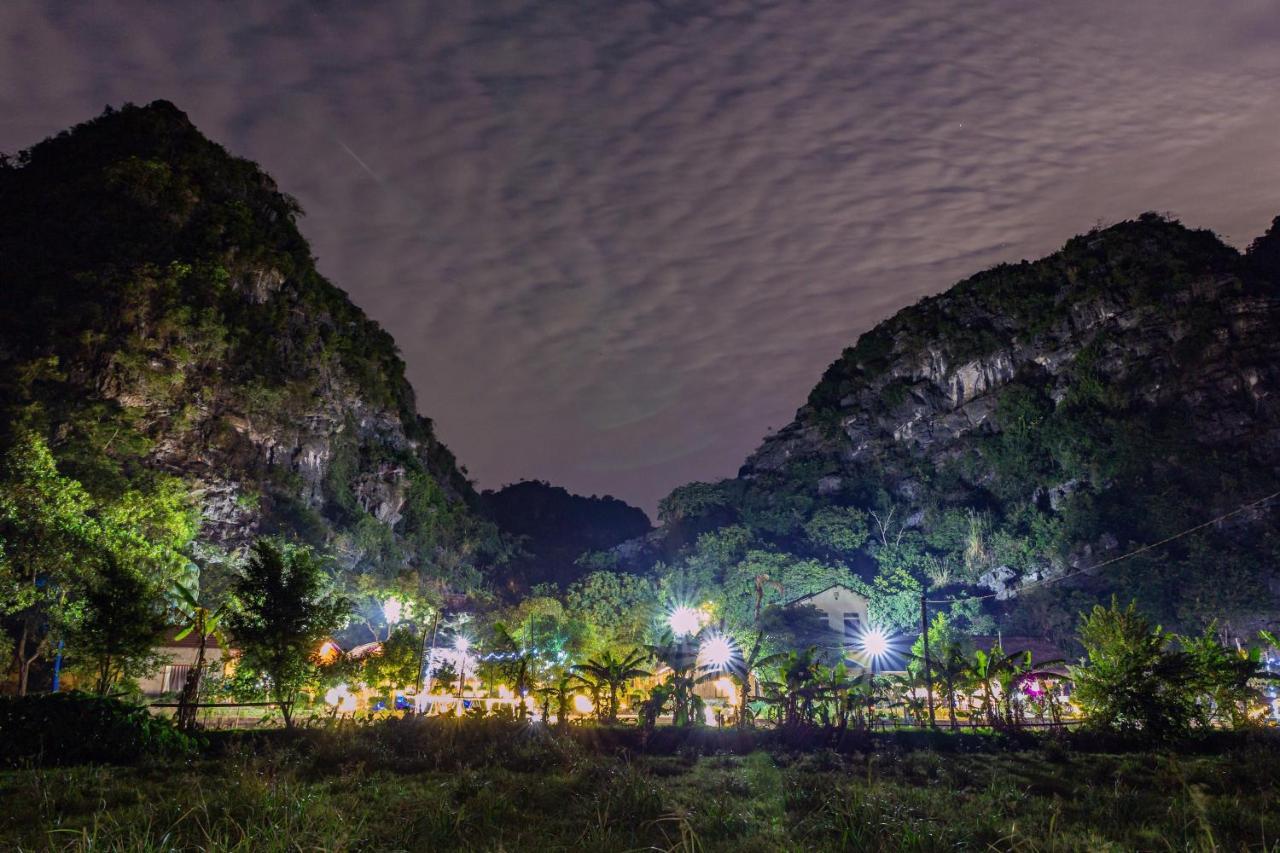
{"x":618,"y":241}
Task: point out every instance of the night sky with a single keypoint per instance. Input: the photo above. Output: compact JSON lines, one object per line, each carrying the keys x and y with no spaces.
{"x":617,"y":241}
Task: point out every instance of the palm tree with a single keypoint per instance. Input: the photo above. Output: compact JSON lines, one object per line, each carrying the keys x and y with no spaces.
{"x":205,"y":623}
{"x":797,"y":686}
{"x":612,"y":673}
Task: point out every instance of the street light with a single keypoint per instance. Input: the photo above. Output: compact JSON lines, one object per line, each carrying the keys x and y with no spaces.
{"x":717,"y":651}
{"x":874,"y":645}
{"x":685,"y":620}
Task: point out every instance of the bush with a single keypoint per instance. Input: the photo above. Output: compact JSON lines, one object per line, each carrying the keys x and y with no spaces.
{"x":76,"y":728}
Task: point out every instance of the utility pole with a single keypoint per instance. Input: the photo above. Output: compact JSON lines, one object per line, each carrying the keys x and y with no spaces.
{"x":928,"y":672}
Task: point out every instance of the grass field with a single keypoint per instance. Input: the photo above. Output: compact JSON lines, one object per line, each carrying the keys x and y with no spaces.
{"x":493,"y":788}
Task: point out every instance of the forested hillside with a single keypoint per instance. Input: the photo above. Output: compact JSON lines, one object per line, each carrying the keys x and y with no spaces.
{"x":1004,"y":438}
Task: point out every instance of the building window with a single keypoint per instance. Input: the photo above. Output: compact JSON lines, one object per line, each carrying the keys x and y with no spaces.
{"x":852,"y":624}
{"x":174,"y":678}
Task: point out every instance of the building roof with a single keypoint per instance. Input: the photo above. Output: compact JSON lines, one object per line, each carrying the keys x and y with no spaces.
{"x":364,"y":650}
{"x":807,"y":596}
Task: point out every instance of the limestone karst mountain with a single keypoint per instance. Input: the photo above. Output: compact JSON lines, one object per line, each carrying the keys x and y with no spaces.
{"x":1040,"y":418}
{"x":162,"y":312}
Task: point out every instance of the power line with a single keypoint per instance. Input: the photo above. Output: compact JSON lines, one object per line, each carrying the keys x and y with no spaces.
{"x":1134,"y":553}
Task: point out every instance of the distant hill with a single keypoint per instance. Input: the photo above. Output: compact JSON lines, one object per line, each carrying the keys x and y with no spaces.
{"x":163,"y":313}
{"x":1036,"y":420}
{"x":556,"y":528}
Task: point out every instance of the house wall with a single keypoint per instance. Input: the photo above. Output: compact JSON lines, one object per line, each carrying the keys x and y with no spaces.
{"x":179,"y":658}
{"x":835,"y":603}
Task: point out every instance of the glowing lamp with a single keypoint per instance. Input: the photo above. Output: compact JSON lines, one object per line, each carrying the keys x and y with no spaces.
{"x":717,"y":651}
{"x":686,"y":620}
{"x":874,"y":642}
{"x":328,"y":652}
{"x":341,"y":698}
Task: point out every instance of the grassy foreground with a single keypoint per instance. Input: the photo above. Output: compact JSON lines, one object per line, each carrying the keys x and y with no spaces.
{"x":492,"y":788}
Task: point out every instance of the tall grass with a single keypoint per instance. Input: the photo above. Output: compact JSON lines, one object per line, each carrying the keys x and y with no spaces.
{"x":433,"y":785}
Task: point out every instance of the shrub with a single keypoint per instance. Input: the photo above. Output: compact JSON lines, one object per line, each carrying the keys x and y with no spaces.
{"x":76,"y":728}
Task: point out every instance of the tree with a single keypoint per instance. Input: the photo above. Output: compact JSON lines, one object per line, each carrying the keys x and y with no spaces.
{"x":840,"y":529}
{"x":398,"y":661}
{"x":1131,"y":683}
{"x":613,"y":673}
{"x":680,"y":654}
{"x":618,"y":607}
{"x":46,"y":533}
{"x":54,"y":535}
{"x":205,"y":623}
{"x":122,"y":619}
{"x":284,"y":610}
{"x":1223,"y":679}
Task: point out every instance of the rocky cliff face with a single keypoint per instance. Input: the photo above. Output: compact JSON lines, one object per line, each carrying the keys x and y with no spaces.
{"x":1055,"y":414}
{"x":1197,"y":337}
{"x":163,"y":314}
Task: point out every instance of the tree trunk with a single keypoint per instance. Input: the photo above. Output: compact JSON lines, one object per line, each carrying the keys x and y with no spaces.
{"x":188,"y":701}
{"x":104,"y":675}
{"x":24,"y":660}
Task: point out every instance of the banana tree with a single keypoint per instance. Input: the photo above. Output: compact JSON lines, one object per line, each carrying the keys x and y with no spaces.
{"x":999,"y":677}
{"x":680,"y":654}
{"x":612,"y":673}
{"x":519,"y":664}
{"x":796,"y":687}
{"x":741,"y":669}
{"x":205,"y":624}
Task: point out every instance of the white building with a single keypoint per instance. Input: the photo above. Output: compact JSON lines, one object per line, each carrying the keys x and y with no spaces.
{"x":845,"y":610}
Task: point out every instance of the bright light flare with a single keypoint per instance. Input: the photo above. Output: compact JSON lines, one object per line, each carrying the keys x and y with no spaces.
{"x":685,"y":620}
{"x":462,"y":645}
{"x":717,"y":651}
{"x":582,"y":704}
{"x":874,"y":646}
{"x":341,"y":698}
{"x":874,"y":642}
